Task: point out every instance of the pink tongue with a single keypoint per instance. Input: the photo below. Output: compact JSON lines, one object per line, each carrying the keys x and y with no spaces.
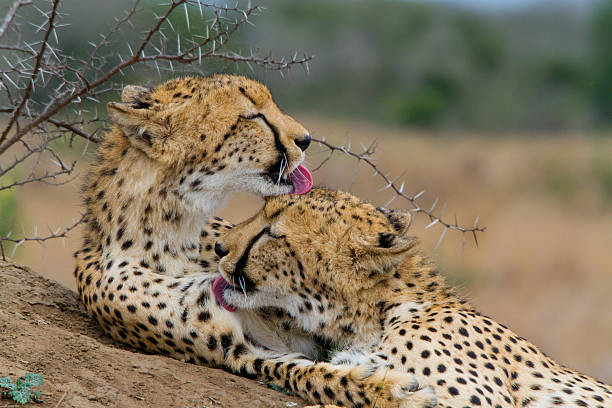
{"x":301,"y":180}
{"x":218,"y":288}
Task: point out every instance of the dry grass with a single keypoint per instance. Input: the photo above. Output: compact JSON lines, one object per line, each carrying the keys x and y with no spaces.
{"x":544,"y":266}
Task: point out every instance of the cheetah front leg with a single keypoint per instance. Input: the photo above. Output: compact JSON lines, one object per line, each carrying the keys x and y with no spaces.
{"x":368,"y":386}
{"x":340,"y":385}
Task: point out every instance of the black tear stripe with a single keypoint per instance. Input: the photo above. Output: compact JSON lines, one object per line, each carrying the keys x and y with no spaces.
{"x":282,"y":151}
{"x":249,"y":285}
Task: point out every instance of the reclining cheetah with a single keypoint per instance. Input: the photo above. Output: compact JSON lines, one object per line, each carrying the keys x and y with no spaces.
{"x":347,"y":271}
{"x":146,"y":268}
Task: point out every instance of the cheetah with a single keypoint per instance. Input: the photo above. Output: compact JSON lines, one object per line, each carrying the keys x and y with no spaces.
{"x":147,"y":265}
{"x":349,"y":272}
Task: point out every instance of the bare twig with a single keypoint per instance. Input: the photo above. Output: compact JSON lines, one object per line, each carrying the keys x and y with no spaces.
{"x":75,"y":130}
{"x":61,"y":399}
{"x":366,"y":156}
{"x":75,"y":92}
{"x":10,"y":16}
{"x":58,"y":233}
{"x":47,"y":93}
{"x":34,"y":74}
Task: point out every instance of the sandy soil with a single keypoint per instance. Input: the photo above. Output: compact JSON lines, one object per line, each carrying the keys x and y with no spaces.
{"x":44,"y":329}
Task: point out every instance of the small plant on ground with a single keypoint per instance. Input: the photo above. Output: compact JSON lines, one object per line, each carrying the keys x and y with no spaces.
{"x":21,"y":391}
{"x":280,"y":389}
{"x":326,"y":349}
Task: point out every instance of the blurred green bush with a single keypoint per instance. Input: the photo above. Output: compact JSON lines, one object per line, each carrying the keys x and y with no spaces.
{"x":560,"y":181}
{"x":8,"y":211}
{"x":602,"y":172}
{"x":428,"y":104}
{"x":435,"y":65}
{"x":413,"y":63}
{"x":601,"y":64}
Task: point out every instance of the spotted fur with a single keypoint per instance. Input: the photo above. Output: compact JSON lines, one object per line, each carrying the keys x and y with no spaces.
{"x":147,"y":262}
{"x":347,"y":271}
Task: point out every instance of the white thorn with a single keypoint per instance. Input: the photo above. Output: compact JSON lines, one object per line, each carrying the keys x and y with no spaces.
{"x":17,"y":246}
{"x":385,"y":187}
{"x":434,"y":205}
{"x":420,"y":193}
{"x":187,"y":16}
{"x":440,"y":240}
{"x":390,"y":201}
{"x":434,"y":222}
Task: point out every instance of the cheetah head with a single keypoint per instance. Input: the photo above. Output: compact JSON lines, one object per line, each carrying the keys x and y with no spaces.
{"x":304,"y":252}
{"x":220,"y":133}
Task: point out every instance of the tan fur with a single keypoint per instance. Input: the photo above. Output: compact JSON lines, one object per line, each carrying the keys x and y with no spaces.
{"x":148,"y":203}
{"x":147,"y":263}
{"x":348,"y":272}
{"x":187,"y":117}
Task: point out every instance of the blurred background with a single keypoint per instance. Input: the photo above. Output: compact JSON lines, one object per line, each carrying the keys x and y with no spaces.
{"x":501,"y":110}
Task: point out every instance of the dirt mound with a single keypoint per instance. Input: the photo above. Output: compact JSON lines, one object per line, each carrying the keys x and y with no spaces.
{"x":45,"y":329}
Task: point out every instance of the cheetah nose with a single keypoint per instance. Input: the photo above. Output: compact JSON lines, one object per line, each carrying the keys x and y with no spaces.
{"x":303,"y":143}
{"x":220,"y":251}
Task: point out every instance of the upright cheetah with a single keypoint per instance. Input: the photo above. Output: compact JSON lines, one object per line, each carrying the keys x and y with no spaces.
{"x":146,"y":267}
{"x":347,"y":271}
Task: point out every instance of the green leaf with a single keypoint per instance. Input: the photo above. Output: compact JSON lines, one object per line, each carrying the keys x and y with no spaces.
{"x":278,"y":388}
{"x":35,"y":380}
{"x":6,"y":382}
{"x":21,"y":396}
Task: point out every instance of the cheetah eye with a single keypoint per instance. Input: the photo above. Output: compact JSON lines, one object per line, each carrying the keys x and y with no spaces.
{"x":275,"y":236}
{"x":252,"y":116}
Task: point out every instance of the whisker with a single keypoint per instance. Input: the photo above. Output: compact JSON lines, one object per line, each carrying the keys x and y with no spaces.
{"x":301,"y":173}
{"x":283,"y":166}
{"x":242,"y":285}
{"x":286,"y":161}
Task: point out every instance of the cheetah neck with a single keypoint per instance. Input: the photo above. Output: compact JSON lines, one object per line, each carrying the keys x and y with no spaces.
{"x":364,"y":316}
{"x":416,"y":280}
{"x":137,"y":212}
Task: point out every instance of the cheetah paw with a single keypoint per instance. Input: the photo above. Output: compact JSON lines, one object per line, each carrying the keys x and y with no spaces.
{"x":395,"y":389}
{"x":423,"y":397}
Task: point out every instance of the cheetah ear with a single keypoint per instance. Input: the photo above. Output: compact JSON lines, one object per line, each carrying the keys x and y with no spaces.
{"x":391,"y":244}
{"x":401,"y":220}
{"x":136,"y":95}
{"x":136,"y":124}
{"x":389,"y":248}
{"x":135,"y":101}
{"x":126,"y":116}
{"x":389,"y":251}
